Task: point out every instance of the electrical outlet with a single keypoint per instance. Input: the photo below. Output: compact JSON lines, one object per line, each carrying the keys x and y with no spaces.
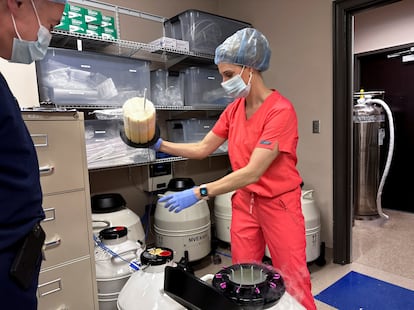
{"x":316,"y":126}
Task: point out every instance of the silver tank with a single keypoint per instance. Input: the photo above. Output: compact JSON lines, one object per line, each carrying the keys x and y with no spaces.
{"x":368,"y":138}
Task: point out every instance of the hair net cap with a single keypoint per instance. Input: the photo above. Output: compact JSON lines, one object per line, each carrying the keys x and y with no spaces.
{"x":59,"y":1}
{"x":247,"y":47}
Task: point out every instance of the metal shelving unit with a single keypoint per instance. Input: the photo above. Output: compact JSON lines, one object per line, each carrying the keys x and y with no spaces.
{"x":122,"y":47}
{"x":158,"y":57}
{"x":125,"y":48}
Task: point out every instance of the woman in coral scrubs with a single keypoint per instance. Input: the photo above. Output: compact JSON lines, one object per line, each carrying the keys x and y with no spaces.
{"x":260,"y":126}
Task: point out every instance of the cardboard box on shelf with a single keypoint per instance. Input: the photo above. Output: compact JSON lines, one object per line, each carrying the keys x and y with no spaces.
{"x":75,"y":25}
{"x":108,"y":21}
{"x":93,"y":30}
{"x":109,"y":33}
{"x":93,"y":17}
{"x":74,"y":11}
{"x":164,"y":42}
{"x":182,"y":45}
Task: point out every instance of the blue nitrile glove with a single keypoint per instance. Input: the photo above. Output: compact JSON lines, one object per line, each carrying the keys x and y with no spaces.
{"x":156,"y":146}
{"x":179,"y":201}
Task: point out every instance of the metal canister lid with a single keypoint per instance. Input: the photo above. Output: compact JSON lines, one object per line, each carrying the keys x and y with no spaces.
{"x":156,"y":256}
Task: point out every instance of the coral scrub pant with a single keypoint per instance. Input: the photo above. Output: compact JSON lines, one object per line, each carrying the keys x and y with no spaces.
{"x":278,"y":223}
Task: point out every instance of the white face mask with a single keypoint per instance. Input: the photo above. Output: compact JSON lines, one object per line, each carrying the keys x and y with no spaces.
{"x":235,"y":87}
{"x":28,"y":51}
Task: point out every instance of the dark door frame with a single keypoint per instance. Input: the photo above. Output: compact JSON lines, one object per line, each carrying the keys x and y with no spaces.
{"x":343,"y":12}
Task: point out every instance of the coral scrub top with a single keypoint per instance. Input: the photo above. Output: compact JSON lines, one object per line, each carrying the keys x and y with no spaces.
{"x":274,"y":122}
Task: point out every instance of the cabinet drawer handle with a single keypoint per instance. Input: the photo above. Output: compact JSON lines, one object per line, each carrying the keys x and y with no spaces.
{"x":55,"y":286}
{"x":53,"y":243}
{"x":52,"y":212}
{"x":45,"y":170}
{"x":39,"y":139}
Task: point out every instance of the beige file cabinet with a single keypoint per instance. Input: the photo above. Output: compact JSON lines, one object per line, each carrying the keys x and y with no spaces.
{"x":67,"y":278}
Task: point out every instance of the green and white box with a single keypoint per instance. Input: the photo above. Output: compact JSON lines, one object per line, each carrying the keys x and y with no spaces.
{"x":74,"y":11}
{"x":108,"y":21}
{"x":93,"y":17}
{"x":72,"y":25}
{"x":109,"y":33}
{"x":93,"y":30}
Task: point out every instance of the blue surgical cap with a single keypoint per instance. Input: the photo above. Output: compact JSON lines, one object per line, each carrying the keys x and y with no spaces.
{"x":247,"y":47}
{"x":60,"y":1}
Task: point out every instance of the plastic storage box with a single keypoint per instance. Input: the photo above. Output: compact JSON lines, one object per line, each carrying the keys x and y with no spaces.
{"x":191,"y":130}
{"x":73,"y":78}
{"x":167,"y":88}
{"x":202,"y":87}
{"x":105,"y":148}
{"x":204,"y":31}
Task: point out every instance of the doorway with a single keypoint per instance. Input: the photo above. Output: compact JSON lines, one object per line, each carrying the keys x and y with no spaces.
{"x":343,"y":86}
{"x":386,"y":71}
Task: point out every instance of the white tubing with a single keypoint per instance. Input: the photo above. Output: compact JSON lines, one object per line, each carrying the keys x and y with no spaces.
{"x":389,"y":155}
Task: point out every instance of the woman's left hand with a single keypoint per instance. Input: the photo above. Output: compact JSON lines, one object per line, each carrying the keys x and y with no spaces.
{"x":179,"y":201}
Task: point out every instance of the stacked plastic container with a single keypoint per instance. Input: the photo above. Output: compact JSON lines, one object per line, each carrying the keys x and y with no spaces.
{"x":188,"y":130}
{"x":73,"y":78}
{"x":105,"y":148}
{"x":202,"y":87}
{"x":167,"y":88}
{"x":203,"y":31}
{"x":192,"y":130}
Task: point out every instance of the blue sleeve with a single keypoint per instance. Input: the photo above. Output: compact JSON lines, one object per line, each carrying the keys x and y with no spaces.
{"x":20,"y":189}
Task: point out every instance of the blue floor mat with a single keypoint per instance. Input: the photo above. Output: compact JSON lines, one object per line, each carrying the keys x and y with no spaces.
{"x":356,"y":291}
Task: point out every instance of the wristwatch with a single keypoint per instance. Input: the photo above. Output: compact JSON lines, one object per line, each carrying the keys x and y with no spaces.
{"x":203,"y":192}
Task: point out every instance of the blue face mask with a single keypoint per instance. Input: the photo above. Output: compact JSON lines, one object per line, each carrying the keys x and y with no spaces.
{"x":28,"y":51}
{"x":236,"y":87}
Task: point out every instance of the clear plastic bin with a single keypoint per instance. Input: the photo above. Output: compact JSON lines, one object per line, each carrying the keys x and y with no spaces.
{"x":204,"y":31}
{"x":203,"y":87}
{"x":73,"y":78}
{"x":191,"y":130}
{"x":167,"y":88}
{"x":105,"y":148}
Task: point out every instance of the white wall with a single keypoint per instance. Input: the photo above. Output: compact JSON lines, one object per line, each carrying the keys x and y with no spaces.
{"x":22,"y":81}
{"x":384,"y":27}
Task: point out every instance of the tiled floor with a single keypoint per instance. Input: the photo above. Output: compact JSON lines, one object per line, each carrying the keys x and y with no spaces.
{"x":381,"y":249}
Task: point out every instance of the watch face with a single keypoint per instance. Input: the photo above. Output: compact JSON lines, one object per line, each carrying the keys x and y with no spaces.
{"x":203,"y":191}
